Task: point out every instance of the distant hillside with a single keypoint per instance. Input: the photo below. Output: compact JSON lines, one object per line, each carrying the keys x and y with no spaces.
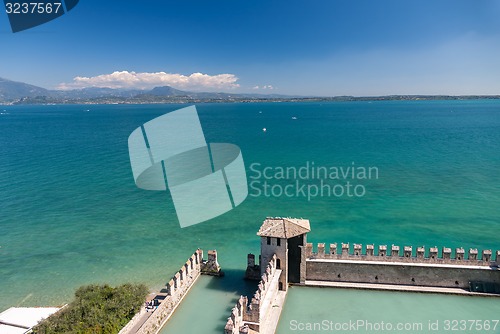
{"x":18,"y":92}
{"x":12,"y":90}
{"x":95,"y":92}
{"x":166,"y":91}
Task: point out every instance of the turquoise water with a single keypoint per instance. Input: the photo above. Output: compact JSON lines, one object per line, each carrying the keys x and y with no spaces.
{"x":357,"y":311}
{"x":70,"y":213}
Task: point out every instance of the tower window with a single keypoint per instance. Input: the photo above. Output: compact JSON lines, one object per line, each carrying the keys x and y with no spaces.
{"x":268,"y":240}
{"x":278,"y":264}
{"x":278,"y":241}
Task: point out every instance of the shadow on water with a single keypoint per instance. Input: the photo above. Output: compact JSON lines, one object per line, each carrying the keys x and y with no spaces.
{"x":216,"y":296}
{"x":234,"y":281}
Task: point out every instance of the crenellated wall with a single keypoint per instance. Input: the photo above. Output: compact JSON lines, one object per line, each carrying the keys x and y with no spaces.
{"x":175,"y":290}
{"x":405,"y":254}
{"x":211,"y":266}
{"x":432,"y":267}
{"x":252,"y":314}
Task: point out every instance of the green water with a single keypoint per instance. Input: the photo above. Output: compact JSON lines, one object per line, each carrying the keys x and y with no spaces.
{"x":209,"y":303}
{"x":70,"y":213}
{"x":416,"y":312}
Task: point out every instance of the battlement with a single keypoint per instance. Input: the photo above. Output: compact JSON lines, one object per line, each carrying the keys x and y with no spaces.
{"x":177,"y":288}
{"x":286,"y":257}
{"x":253,"y":269}
{"x":173,"y":293}
{"x":394,"y":254}
{"x":247,"y":315}
{"x":189,"y":269}
{"x":211,"y":266}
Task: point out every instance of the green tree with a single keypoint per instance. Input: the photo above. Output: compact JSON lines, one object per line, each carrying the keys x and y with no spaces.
{"x":96,"y":309}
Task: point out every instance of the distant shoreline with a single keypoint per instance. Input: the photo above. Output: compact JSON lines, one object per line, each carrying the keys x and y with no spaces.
{"x":150,"y":99}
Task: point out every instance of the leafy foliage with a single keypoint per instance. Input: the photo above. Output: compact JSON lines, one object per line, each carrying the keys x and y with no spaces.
{"x":96,"y":309}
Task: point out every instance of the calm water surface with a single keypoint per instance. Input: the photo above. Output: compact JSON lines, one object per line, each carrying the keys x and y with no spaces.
{"x":70,"y":213}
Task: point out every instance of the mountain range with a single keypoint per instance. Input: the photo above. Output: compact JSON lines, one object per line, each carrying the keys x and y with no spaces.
{"x":12,"y":92}
{"x":19,"y":92}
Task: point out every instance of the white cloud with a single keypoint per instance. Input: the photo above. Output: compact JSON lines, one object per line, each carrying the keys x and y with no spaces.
{"x":263,"y":87}
{"x":145,"y":80}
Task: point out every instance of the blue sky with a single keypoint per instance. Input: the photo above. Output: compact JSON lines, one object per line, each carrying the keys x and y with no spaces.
{"x":314,"y":47}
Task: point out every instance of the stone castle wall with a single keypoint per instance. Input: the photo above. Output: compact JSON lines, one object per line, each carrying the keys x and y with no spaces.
{"x":176,"y":288}
{"x":433,"y":268}
{"x":405,"y":254}
{"x":247,"y":315}
{"x":400,"y":274}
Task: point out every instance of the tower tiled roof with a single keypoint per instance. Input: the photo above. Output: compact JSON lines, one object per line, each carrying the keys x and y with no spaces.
{"x":284,"y":227}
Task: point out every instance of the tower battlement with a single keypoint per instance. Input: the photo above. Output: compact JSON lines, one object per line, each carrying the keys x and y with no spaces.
{"x":250,"y":315}
{"x":287,"y":258}
{"x":406,"y":254}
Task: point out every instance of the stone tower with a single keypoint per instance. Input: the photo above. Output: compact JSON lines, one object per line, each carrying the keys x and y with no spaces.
{"x":286,"y":238}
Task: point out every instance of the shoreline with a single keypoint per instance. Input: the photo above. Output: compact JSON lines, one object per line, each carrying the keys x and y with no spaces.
{"x":187,"y":100}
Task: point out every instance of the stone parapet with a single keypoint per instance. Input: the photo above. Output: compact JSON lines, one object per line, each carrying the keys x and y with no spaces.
{"x":393,"y":254}
{"x":247,"y":315}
